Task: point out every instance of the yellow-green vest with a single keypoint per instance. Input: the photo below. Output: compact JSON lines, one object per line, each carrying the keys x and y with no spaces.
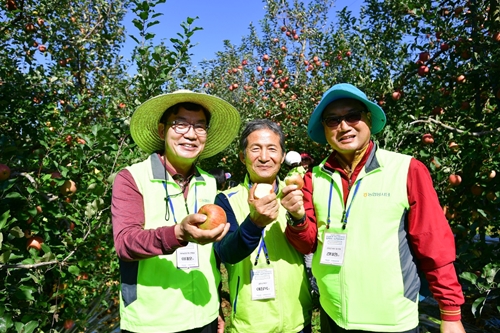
{"x":168,"y":299}
{"x":292,"y":307}
{"x":376,"y":288}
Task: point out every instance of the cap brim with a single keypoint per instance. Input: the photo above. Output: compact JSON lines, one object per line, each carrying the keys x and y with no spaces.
{"x":223,"y":128}
{"x":315,"y":127}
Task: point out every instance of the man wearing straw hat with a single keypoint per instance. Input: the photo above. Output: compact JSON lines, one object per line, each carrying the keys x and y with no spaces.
{"x":169,"y":274}
{"x":373,"y":220}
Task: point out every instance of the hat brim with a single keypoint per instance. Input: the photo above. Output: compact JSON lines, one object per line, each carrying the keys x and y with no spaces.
{"x":339,"y":91}
{"x":223,"y":128}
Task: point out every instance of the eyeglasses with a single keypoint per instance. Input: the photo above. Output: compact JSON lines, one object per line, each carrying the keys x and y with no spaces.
{"x":352,"y":118}
{"x":182,"y":127}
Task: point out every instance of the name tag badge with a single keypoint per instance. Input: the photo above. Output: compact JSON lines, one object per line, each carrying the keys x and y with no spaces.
{"x":333,"y":249}
{"x":262,"y":284}
{"x":187,"y":257}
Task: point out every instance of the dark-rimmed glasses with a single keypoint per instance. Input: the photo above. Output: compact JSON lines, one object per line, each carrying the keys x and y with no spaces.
{"x":182,"y":127}
{"x":352,"y":118}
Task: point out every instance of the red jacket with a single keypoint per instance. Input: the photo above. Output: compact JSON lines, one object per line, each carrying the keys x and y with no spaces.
{"x":429,"y":233}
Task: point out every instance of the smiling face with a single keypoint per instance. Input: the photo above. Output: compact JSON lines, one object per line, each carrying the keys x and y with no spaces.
{"x":263,"y":156}
{"x":347,"y":138}
{"x":181,"y":150}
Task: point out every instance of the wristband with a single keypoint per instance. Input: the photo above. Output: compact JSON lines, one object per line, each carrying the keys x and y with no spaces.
{"x":293,"y":222}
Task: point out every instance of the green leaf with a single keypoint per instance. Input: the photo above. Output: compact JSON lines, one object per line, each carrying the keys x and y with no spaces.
{"x":469,"y":276}
{"x":24,"y":292}
{"x":5,"y":323}
{"x":74,"y":270}
{"x":17,"y":232}
{"x":138,"y":24}
{"x":30,"y":326}
{"x":4,"y":257}
{"x":13,"y":195}
{"x":477,"y":306}
{"x":3,"y":219}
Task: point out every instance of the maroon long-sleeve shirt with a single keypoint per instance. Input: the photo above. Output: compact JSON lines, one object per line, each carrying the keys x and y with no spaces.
{"x":429,"y":233}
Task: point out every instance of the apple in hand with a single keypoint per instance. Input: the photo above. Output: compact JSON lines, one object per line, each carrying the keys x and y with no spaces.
{"x":262,"y":189}
{"x":215,"y":216}
{"x":295,"y":179}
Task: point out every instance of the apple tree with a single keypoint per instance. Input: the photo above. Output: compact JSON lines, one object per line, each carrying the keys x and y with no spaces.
{"x":66,"y":97}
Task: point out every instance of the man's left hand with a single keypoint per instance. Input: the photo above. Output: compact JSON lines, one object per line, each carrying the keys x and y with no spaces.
{"x":292,"y":200}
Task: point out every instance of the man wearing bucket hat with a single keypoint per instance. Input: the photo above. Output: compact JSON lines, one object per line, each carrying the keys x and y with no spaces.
{"x":373,"y":220}
{"x":169,"y":274}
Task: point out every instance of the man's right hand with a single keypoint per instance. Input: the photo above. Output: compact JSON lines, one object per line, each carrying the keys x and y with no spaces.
{"x":263,"y":211}
{"x":188,"y":231}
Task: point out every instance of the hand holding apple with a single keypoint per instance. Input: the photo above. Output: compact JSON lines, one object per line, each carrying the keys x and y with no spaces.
{"x":263,"y":204}
{"x":292,"y":200}
{"x":189,"y":231}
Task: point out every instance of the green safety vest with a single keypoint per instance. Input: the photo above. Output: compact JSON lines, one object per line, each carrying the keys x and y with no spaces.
{"x":156,"y":296}
{"x":376,"y":288}
{"x":291,"y":310}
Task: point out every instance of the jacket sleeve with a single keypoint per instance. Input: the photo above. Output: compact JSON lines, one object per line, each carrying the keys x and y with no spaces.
{"x":132,"y":242}
{"x":303,"y":237}
{"x":432,"y":241}
{"x":241,"y":240}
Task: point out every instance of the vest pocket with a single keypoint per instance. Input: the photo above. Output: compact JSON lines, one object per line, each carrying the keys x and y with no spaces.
{"x":129,"y":293}
{"x":129,"y":271}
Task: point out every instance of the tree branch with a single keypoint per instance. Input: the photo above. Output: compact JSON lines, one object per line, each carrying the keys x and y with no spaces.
{"x":476,"y":134}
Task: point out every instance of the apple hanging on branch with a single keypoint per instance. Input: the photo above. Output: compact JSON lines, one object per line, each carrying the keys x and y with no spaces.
{"x":4,"y":172}
{"x":215,"y":216}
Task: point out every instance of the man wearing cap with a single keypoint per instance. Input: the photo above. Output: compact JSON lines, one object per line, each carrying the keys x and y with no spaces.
{"x":267,"y":280}
{"x":372,"y":219}
{"x":169,"y":275}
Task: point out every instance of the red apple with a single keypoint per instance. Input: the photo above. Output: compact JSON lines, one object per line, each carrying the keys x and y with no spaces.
{"x":496,"y":36}
{"x":262,"y":189}
{"x":444,"y":47}
{"x":437,"y":110}
{"x":396,"y":95}
{"x":265,"y":57}
{"x":348,"y":53}
{"x":492,"y":174}
{"x":424,"y":56}
{"x":68,"y":188}
{"x":423,"y":70}
{"x":42,"y":48}
{"x":4,"y":172}
{"x":476,"y":189}
{"x":461,"y":78}
{"x":295,"y":179}
{"x":68,"y":324}
{"x":453,"y":146}
{"x":215,"y":216}
{"x":427,"y":139}
{"x":455,"y":180}
{"x":34,"y":242}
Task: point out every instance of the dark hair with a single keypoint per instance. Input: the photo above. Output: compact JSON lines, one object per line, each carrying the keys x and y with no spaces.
{"x":220,"y":177}
{"x":259,"y":124}
{"x":174,"y":109}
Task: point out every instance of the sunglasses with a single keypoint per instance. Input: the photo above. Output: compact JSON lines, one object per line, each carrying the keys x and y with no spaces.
{"x":352,"y":118}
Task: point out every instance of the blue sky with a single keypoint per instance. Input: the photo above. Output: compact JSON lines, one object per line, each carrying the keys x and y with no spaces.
{"x":220,"y":19}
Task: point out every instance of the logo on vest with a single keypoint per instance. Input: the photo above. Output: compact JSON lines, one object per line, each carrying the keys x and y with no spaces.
{"x":376,"y":194}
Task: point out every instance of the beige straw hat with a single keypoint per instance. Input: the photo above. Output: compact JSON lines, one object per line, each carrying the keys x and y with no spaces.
{"x":223,"y":128}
